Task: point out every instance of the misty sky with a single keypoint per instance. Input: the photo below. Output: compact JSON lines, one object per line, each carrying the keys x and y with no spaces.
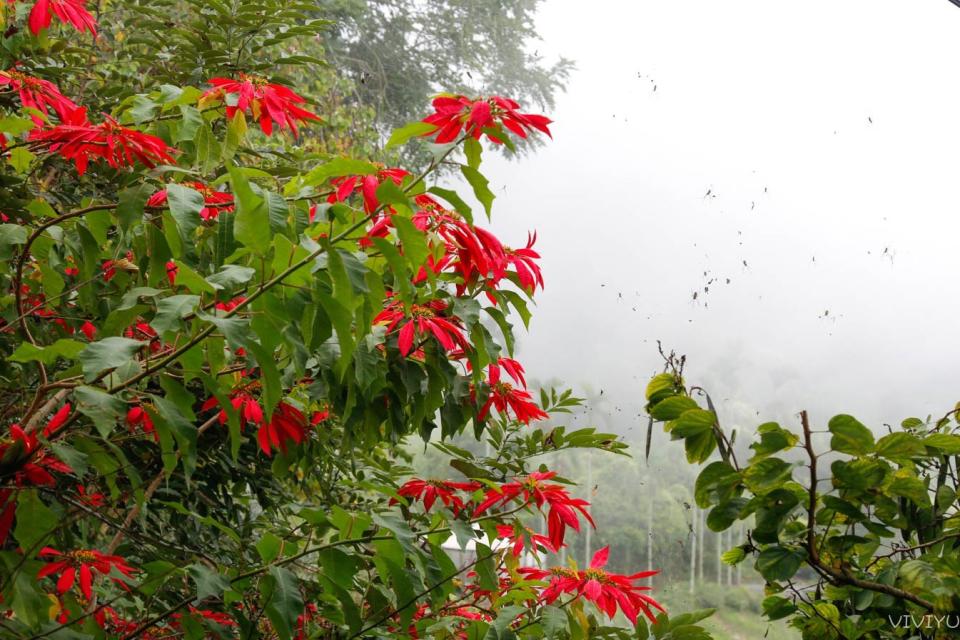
{"x":813,"y":208}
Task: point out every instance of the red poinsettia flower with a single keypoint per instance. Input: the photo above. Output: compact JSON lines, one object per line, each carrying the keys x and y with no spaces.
{"x":89,"y":497}
{"x":319,"y":417}
{"x":85,"y":563}
{"x":427,"y":491}
{"x":36,"y":93}
{"x":58,"y":420}
{"x":422,"y":321}
{"x":454,"y":114}
{"x":523,"y":537}
{"x":214,"y":201}
{"x":73,"y":12}
{"x":607,"y":590}
{"x":563,"y":511}
{"x":144,"y":332}
{"x":230,"y":305}
{"x":367,"y":186}
{"x":287,"y":424}
{"x":244,"y":404}
{"x":266,"y":102}
{"x":172,"y":270}
{"x":88,"y":329}
{"x":505,"y":397}
{"x":137,"y":417}
{"x":524,"y":263}
{"x":79,"y":141}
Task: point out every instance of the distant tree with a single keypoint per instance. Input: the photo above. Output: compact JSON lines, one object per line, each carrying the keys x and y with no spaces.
{"x":398,"y":52}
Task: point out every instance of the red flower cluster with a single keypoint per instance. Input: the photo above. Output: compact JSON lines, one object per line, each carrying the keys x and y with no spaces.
{"x":79,"y":141}
{"x":423,"y":320}
{"x":214,"y":201}
{"x":524,"y":537}
{"x":137,"y":417}
{"x":454,"y":114}
{"x":73,"y":12}
{"x":428,"y":491}
{"x":266,"y":102}
{"x":505,"y":397}
{"x":287,"y":424}
{"x":606,"y":590}
{"x":563,"y":508}
{"x":86,"y":563}
{"x":38,"y":94}
{"x":367,"y":186}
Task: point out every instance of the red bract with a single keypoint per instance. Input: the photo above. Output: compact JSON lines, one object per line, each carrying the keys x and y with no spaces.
{"x":266,"y":102}
{"x":144,"y":332}
{"x":563,"y":511}
{"x":172,"y":270}
{"x":88,"y":329}
{"x":606,"y":590}
{"x":230,"y":305}
{"x":519,"y":537}
{"x":454,"y":114}
{"x":58,"y":420}
{"x":524,"y":263}
{"x":428,"y":491}
{"x":79,"y":141}
{"x":90,"y":498}
{"x":73,"y":12}
{"x":39,"y":94}
{"x":34,"y":464}
{"x":214,"y":201}
{"x":422,"y":321}
{"x":286,"y":425}
{"x":137,"y":417}
{"x":367,"y":186}
{"x":245,"y":404}
{"x":86,"y":563}
{"x":505,"y":397}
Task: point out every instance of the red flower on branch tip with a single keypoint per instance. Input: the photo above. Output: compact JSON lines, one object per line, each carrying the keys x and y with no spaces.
{"x":268,"y":103}
{"x":524,"y":263}
{"x":422,"y":321}
{"x":524,"y":537}
{"x":72,"y":12}
{"x":38,"y":94}
{"x":214,"y":201}
{"x":246,"y":406}
{"x":109,"y":268}
{"x":427,"y":491}
{"x":172,"y":270}
{"x":144,"y":332}
{"x":88,"y":329}
{"x":287,"y":424}
{"x":506,"y":398}
{"x":85,"y":564}
{"x":607,"y":590}
{"x":137,"y":417}
{"x":564,"y":510}
{"x":367,"y":186}
{"x":78,"y":140}
{"x":454,"y":114}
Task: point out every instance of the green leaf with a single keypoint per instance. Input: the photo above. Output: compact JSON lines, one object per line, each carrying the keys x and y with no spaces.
{"x":457,"y":203}
{"x":236,"y":134}
{"x":35,"y":521}
{"x":661,"y":386}
{"x":282,"y":601}
{"x":671,"y":408}
{"x":104,"y":409}
{"x":209,"y":582}
{"x":766,"y":475}
{"x":269,"y":547}
{"x":413,"y":240}
{"x":251,"y":222}
{"x":849,"y":436}
{"x":171,"y":310}
{"x":131,"y":204}
{"x":779,"y":563}
{"x":337,"y":168}
{"x":107,"y":354}
{"x":900,"y":446}
{"x":948,"y":443}
{"x":193,"y":281}
{"x":411,"y":130}
{"x":715,"y":483}
{"x":185,"y":205}
{"x":62,"y":348}
{"x":481,"y":188}
{"x":12,"y":234}
{"x":20,"y":159}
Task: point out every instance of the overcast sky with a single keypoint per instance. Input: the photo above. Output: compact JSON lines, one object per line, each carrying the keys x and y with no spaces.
{"x":827,"y":135}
